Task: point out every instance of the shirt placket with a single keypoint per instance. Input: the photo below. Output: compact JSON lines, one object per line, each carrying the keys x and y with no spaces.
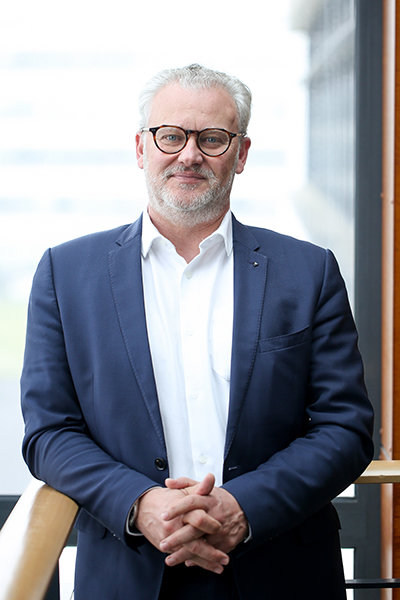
{"x":194,"y":333}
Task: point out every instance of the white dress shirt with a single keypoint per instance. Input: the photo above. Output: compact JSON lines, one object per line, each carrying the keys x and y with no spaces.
{"x":189,"y":315}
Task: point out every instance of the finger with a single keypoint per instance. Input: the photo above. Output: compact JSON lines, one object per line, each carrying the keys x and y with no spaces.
{"x":202,"y":488}
{"x":203,"y":521}
{"x":201,"y":525}
{"x":206,"y":565}
{"x":185,"y":534}
{"x":199,"y":553}
{"x":187,"y":504}
{"x":177,"y":559}
{"x":179,"y":483}
{"x":206,"y":486}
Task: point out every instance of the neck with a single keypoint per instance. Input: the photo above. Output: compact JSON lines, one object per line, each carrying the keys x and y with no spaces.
{"x":185,"y":239}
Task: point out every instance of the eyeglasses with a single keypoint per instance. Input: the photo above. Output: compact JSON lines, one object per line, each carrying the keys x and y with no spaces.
{"x":211,"y":142}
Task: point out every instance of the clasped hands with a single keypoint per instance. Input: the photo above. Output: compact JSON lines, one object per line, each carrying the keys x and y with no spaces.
{"x":193,"y":522}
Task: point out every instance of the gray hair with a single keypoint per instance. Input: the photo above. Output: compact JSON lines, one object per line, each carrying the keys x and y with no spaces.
{"x":196,"y":77}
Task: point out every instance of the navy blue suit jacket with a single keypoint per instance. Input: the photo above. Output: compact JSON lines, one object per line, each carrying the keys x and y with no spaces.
{"x":299,"y":426}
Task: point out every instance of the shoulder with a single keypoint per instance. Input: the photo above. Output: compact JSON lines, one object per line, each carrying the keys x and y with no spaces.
{"x":276,"y":245}
{"x":86,"y":256}
{"x":101,"y":240}
{"x":291,"y":262}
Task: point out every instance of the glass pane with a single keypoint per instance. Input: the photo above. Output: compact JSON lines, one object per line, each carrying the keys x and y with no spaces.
{"x":348,"y":565}
{"x":349,"y":492}
{"x":326,"y":202}
{"x":66,"y":566}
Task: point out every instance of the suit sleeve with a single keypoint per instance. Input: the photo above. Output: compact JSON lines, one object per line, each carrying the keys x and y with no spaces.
{"x":57,"y":446}
{"x":336,"y":446}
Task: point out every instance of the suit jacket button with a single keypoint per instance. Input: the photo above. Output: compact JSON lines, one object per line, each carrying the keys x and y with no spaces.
{"x":161,"y":464}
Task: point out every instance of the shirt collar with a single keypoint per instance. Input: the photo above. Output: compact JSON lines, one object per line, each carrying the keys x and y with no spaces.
{"x":150,"y":233}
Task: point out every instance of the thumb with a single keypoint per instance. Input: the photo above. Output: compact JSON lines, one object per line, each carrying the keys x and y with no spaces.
{"x":205,"y":487}
{"x":179,"y":483}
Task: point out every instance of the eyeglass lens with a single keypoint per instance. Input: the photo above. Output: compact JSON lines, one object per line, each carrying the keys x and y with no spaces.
{"x":211,"y":141}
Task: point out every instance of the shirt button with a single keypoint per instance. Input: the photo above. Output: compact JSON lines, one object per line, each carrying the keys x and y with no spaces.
{"x":189,"y":331}
{"x":195,"y":394}
{"x":161,"y":464}
{"x":203,"y":459}
{"x":188,"y":274}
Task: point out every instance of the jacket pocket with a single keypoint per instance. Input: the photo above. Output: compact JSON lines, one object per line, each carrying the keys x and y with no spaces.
{"x":284,"y":341}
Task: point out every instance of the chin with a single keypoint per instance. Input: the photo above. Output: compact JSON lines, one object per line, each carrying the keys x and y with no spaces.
{"x":190,"y":214}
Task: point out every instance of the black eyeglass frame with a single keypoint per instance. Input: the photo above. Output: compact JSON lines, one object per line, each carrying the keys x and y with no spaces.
{"x":188,"y":132}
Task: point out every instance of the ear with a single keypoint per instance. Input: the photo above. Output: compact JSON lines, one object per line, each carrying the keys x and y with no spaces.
{"x":243,"y":152}
{"x":139,"y":149}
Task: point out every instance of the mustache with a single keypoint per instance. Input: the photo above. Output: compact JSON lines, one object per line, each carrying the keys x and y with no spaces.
{"x":206,"y":173}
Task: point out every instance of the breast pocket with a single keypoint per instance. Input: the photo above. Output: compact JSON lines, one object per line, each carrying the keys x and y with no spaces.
{"x":284,"y":341}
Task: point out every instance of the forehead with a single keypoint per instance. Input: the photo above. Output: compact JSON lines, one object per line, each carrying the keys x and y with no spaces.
{"x":194,"y":109}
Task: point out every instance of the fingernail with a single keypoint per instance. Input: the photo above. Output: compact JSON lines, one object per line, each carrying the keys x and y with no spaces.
{"x":225,"y":561}
{"x":164,"y":516}
{"x":170,"y":561}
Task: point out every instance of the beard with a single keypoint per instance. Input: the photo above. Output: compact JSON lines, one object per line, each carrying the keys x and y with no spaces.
{"x":193,"y":208}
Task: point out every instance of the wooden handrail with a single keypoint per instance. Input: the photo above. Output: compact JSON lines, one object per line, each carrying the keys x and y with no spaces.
{"x":36,"y":531}
{"x":32,"y":540}
{"x":381,"y":471}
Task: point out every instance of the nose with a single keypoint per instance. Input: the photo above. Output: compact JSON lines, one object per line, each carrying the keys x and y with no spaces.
{"x":191,"y":154}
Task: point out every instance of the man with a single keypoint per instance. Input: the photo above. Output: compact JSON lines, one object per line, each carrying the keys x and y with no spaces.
{"x":195,"y":384}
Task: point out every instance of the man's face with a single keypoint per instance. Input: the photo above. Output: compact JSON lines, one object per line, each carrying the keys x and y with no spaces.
{"x":190,"y":187}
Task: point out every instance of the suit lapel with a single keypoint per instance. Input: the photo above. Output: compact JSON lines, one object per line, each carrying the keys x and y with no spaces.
{"x":250,"y":273}
{"x":125,"y":271}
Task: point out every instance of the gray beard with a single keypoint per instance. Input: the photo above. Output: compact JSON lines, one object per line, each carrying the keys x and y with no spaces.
{"x":202,"y":208}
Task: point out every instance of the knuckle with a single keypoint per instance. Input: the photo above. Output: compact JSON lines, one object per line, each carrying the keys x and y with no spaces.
{"x":169,"y":527}
{"x":198,"y":519}
{"x":197,"y":546}
{"x":191,"y":501}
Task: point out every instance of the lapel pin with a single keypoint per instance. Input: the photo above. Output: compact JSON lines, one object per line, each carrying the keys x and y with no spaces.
{"x":255,"y":264}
